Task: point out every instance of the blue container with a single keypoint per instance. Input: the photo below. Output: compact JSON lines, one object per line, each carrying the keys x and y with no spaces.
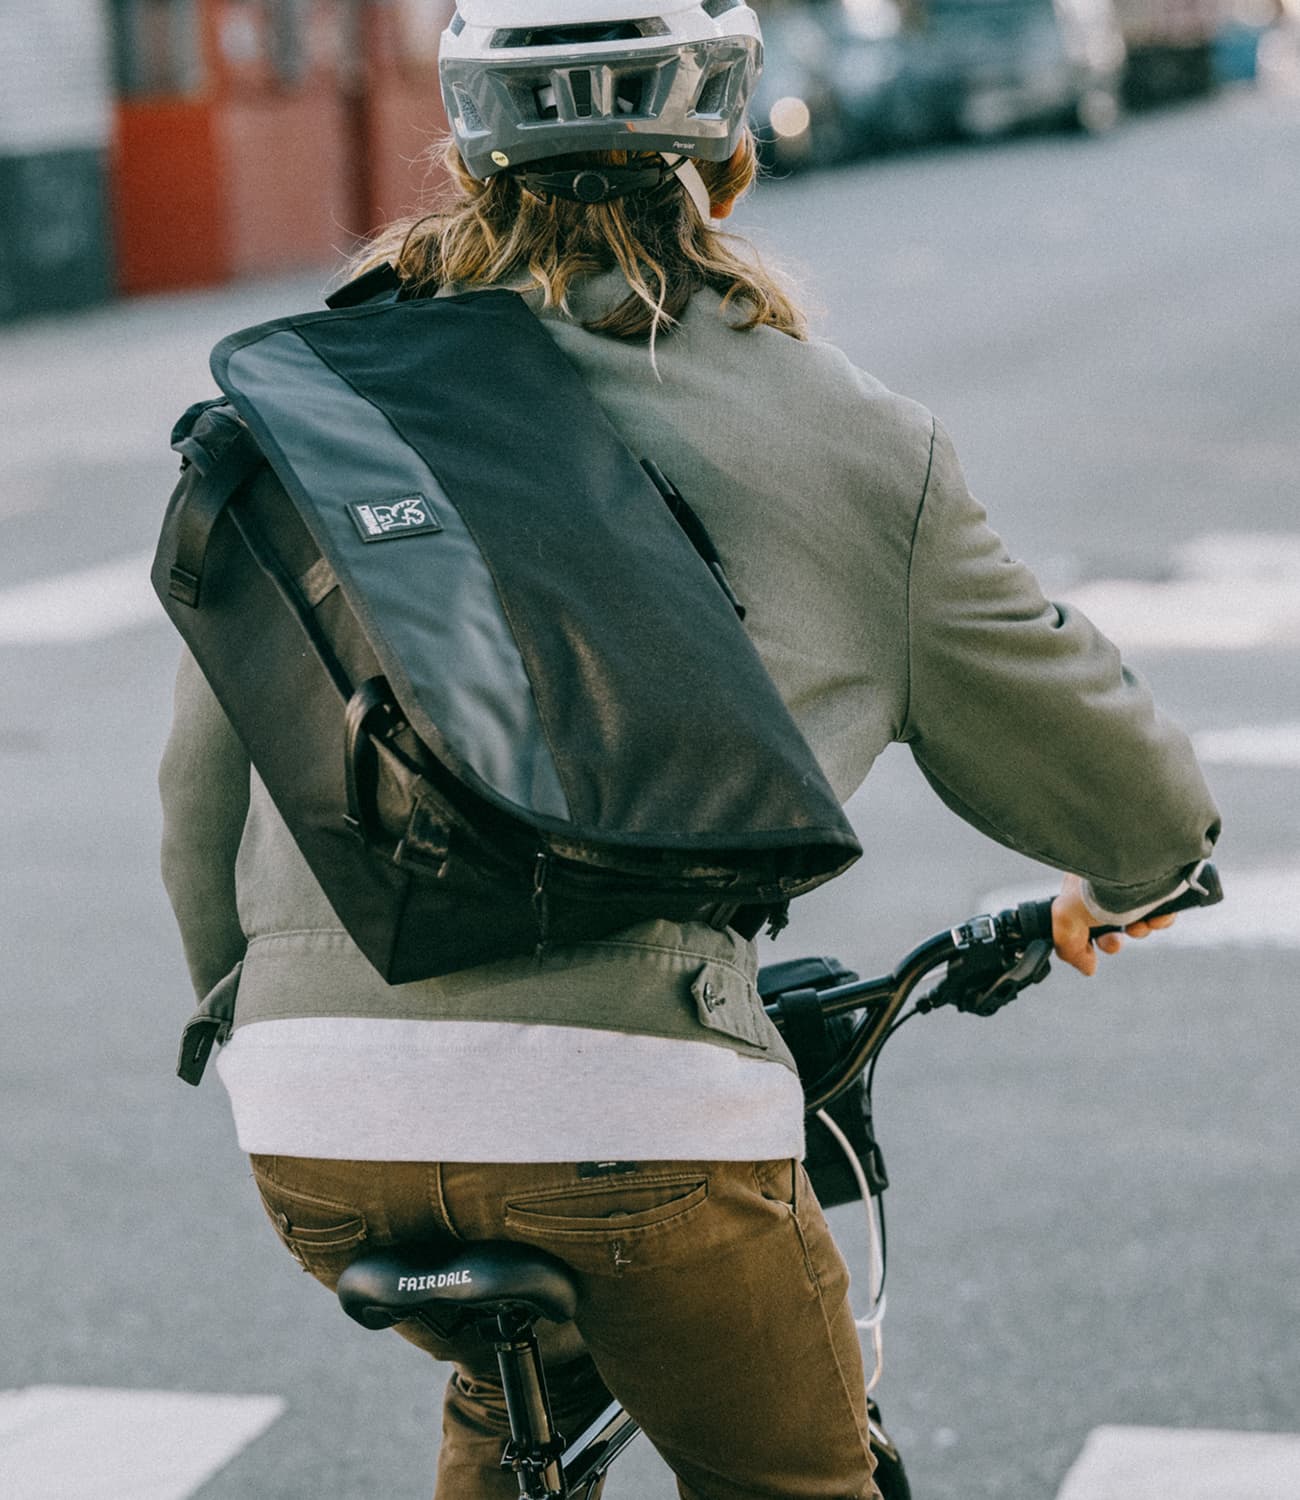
{"x":1236,"y":52}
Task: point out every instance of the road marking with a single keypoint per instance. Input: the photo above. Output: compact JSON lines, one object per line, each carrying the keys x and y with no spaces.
{"x":82,"y":606}
{"x":1261,"y":908}
{"x":1166,"y":1463}
{"x":1271,"y":746}
{"x":1229,"y":592}
{"x":61,"y":1441}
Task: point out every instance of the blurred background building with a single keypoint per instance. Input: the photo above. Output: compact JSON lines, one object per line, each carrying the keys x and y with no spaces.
{"x":55,"y":127}
{"x":155,"y":144}
{"x":151,"y":144}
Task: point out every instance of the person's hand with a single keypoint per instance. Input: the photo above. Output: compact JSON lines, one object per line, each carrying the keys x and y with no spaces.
{"x":1072,"y":922}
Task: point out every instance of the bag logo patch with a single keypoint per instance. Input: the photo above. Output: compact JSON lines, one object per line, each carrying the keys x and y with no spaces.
{"x":408,"y":516}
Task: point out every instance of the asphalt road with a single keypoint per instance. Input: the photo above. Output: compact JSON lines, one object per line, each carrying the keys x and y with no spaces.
{"x":1094,"y":1215}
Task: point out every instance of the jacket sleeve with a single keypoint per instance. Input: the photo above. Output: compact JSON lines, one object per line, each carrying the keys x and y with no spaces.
{"x":1027,"y":724}
{"x":203,"y":781}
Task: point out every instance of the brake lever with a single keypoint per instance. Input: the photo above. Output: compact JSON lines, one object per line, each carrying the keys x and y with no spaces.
{"x":1031,"y":967}
{"x":961,"y":986}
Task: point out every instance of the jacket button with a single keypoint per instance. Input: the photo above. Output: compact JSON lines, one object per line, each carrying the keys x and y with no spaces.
{"x":711,"y":997}
{"x":282,"y":1223}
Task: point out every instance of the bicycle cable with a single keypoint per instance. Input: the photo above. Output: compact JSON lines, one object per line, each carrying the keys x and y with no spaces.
{"x":871,"y":1070}
{"x":871,"y":1322}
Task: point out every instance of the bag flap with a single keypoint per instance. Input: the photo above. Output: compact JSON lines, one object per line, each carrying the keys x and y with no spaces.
{"x":479,"y":510}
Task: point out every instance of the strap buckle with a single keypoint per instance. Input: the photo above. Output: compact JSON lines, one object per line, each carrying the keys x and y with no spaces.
{"x":183,"y":586}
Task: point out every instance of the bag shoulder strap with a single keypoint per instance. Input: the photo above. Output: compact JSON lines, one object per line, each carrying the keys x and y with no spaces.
{"x":218,"y":454}
{"x":379,"y":284}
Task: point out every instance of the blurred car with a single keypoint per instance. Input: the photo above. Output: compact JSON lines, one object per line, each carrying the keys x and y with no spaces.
{"x":983,"y":67}
{"x":1277,"y":57}
{"x":867,"y":68}
{"x":829,"y":70}
{"x":1253,"y":36}
{"x":1170,"y":48}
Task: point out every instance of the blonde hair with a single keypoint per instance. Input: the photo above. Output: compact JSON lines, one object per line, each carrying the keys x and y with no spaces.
{"x":498,"y":233}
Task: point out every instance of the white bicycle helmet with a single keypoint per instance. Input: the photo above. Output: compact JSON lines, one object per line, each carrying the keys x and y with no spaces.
{"x":528,"y":80}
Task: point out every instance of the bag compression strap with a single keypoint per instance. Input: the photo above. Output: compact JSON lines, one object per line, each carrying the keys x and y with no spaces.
{"x":747,"y":920}
{"x":203,"y":503}
{"x":750,"y":919}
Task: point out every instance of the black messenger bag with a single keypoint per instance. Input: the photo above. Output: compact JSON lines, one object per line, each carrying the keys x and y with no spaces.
{"x":498,"y":695}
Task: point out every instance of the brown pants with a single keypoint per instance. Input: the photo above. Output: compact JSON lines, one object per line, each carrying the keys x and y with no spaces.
{"x":712,"y":1302}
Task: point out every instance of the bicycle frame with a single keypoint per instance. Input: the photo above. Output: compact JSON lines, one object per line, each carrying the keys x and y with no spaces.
{"x":592,"y":1452}
{"x":546,"y":1465}
{"x":990,"y":960}
{"x":575,"y":1473}
{"x":883,"y":999}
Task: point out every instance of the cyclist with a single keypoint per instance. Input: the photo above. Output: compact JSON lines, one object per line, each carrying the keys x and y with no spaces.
{"x":590,"y":1102}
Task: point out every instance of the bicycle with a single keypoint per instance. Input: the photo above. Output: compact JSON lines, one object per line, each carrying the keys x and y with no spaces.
{"x":823,"y":1010}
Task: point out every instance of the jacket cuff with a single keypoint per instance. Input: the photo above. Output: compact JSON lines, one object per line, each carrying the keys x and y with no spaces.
{"x":1107,"y":918}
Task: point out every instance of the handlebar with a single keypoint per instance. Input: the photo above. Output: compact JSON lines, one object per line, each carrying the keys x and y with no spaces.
{"x":1204,"y":889}
{"x":989,"y":959}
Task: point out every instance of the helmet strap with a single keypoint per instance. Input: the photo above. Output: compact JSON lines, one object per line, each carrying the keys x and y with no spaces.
{"x":605,"y":184}
{"x":688,"y":174}
{"x":593,"y":184}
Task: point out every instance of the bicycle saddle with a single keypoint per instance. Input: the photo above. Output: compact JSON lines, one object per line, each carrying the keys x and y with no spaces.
{"x":382,"y":1287}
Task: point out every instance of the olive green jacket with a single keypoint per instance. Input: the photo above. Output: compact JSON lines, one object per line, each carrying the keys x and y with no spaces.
{"x":885,"y":609}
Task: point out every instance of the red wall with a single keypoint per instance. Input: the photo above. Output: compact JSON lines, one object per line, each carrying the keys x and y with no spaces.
{"x":255,"y":173}
{"x":285,"y":168}
{"x":167,"y":201}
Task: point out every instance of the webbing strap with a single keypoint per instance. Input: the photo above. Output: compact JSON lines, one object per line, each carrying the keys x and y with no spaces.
{"x":205,"y":499}
{"x":803,"y":1025}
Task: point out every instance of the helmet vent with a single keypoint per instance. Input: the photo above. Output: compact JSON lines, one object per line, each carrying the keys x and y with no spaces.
{"x":577,"y":36}
{"x":457,"y":24}
{"x":470,"y":119}
{"x":713,"y":96}
{"x":580,"y":85}
{"x":716,"y":8}
{"x":630,"y":94}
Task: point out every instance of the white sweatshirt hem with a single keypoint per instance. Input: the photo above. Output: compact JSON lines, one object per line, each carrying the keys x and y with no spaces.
{"x":403,"y":1090}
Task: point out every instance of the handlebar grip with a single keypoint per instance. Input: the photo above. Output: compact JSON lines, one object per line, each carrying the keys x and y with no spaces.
{"x":1208,"y":893}
{"x":1034,"y":918}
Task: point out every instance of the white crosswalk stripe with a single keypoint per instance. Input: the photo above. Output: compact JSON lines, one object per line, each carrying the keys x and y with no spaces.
{"x":57,"y":1442}
{"x":1261,"y":909}
{"x":82,"y":606}
{"x":1229,"y":592}
{"x":1163,"y":1463}
{"x":1268,"y":746}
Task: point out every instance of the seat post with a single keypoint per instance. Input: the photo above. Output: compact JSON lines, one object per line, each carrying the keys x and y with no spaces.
{"x":534,"y":1450}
